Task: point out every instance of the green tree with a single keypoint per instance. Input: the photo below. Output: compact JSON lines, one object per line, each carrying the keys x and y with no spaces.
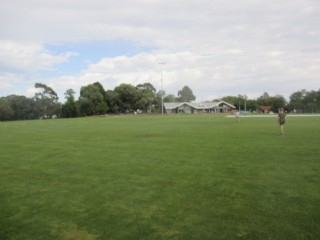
{"x":252,"y":105}
{"x":112,"y":101}
{"x":101,"y":90}
{"x":169,"y":98}
{"x":69,"y":108}
{"x":235,"y":101}
{"x":231,"y":99}
{"x":85,"y":107}
{"x":296,"y":101}
{"x":310,"y":102}
{"x":23,"y":107}
{"x":126,"y":98}
{"x":146,"y":87}
{"x":91,"y":101}
{"x":6,"y":111}
{"x":277,"y":102}
{"x":46,"y":101}
{"x":147,"y":97}
{"x":318,"y":98}
{"x":186,"y":95}
{"x":305,"y":101}
{"x":102,"y":107}
{"x":264,"y":100}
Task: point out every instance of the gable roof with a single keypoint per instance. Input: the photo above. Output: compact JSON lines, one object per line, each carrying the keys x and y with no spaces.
{"x":173,"y":105}
{"x":201,"y":105}
{"x":228,"y":104}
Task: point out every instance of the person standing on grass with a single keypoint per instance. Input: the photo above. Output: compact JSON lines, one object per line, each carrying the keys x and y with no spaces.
{"x":282,"y":119}
{"x":237,"y":116}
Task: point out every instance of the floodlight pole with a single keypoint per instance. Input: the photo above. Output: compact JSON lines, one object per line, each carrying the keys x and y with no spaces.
{"x":245,"y":106}
{"x":161,"y":63}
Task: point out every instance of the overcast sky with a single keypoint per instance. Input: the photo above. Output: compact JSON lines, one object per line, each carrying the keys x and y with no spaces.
{"x":216,"y":47}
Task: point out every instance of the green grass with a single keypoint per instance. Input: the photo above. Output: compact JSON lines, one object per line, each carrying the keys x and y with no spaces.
{"x":160,"y":177}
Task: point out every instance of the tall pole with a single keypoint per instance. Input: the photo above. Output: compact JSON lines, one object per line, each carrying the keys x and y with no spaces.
{"x":245,"y":106}
{"x":161,"y":63}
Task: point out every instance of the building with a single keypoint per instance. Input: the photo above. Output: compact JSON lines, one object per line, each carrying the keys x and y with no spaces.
{"x":202,"y":107}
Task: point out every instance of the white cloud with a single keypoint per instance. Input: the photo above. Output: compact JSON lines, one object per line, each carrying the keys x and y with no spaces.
{"x":215,"y":47}
{"x":28,"y":57}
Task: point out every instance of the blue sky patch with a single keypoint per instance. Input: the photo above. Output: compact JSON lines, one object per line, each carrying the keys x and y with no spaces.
{"x":90,"y":52}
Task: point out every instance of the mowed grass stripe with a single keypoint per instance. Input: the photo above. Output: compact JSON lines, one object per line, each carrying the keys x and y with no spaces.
{"x":159,"y":177}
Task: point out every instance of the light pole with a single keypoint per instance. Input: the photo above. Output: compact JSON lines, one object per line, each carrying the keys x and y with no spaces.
{"x":161,"y":63}
{"x":245,"y":106}
{"x":245,"y":103}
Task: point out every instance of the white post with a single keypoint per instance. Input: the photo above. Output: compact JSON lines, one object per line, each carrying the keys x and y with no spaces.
{"x":161,"y":63}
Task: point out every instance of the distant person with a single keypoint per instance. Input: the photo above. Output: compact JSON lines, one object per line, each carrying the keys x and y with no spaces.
{"x":237,"y":116}
{"x":282,"y":119}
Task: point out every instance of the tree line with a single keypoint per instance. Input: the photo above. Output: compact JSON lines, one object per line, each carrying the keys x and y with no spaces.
{"x":127,"y":99}
{"x":299,"y":102}
{"x":93,"y":100}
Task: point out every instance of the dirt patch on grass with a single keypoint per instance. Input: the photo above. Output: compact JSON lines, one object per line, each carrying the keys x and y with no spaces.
{"x":74,"y":233}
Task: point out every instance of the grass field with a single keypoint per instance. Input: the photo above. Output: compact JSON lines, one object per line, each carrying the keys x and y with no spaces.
{"x":160,"y":177}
